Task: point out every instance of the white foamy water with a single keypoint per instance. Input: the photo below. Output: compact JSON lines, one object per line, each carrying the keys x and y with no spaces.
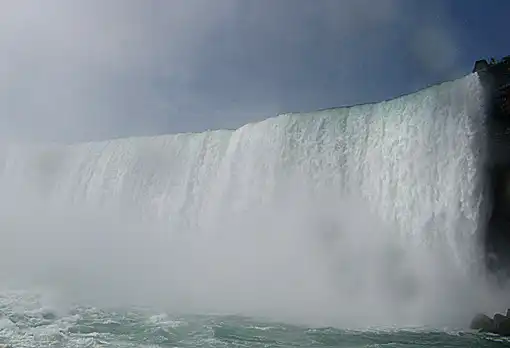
{"x":357,"y":216}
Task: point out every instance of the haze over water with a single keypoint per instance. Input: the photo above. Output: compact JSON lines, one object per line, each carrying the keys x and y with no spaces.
{"x":356,"y":218}
{"x":355,"y":226}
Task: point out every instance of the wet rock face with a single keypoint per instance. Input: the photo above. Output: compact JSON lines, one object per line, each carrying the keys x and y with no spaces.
{"x":505,"y":191}
{"x":497,"y":234}
{"x":495,"y":78}
{"x":501,"y":192}
{"x":505,"y":100}
{"x":482,"y":322}
{"x":500,"y":324}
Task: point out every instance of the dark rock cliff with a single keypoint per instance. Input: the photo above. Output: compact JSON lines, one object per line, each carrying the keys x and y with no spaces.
{"x":495,"y":77}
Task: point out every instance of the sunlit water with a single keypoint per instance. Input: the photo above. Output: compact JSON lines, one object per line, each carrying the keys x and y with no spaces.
{"x":362,"y":219}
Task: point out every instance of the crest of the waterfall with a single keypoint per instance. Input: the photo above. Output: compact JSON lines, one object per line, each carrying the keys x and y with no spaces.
{"x":296,"y":214}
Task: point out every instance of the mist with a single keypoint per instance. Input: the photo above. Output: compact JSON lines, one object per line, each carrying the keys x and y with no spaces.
{"x":320,"y":261}
{"x":214,"y":222}
{"x":296,"y":218}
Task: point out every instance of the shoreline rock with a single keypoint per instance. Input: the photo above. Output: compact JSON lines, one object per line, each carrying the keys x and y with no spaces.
{"x":499,"y":324}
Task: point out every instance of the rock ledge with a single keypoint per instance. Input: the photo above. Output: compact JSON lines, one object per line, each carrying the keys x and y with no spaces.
{"x":499,"y":324}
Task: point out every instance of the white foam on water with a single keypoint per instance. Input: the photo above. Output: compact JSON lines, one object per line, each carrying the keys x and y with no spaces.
{"x":366,"y":215}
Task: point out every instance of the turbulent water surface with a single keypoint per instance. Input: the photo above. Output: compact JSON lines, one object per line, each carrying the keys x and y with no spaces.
{"x":28,"y":322}
{"x":355,"y":227}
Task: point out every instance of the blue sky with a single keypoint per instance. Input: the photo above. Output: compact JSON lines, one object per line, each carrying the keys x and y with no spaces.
{"x":82,"y":70}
